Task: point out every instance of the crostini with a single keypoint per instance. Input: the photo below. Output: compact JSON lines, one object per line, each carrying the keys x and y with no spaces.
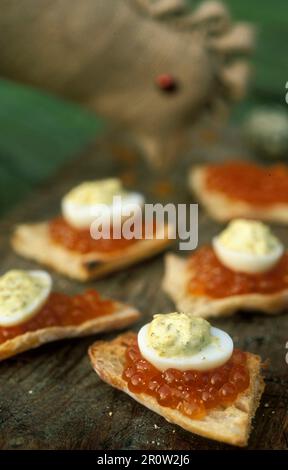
{"x":189,"y":373}
{"x":32,"y":314}
{"x":245,"y":268}
{"x":242,"y":189}
{"x":66,"y":245}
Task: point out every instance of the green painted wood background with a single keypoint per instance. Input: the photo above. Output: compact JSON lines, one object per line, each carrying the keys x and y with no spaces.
{"x":38,"y":133}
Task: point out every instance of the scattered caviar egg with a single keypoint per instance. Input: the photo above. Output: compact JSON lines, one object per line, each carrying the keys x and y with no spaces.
{"x":248,"y":246}
{"x":182,"y":342}
{"x":99,"y":199}
{"x":22,"y":294}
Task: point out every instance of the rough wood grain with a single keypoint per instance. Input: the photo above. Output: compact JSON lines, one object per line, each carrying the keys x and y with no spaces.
{"x":51,"y":399}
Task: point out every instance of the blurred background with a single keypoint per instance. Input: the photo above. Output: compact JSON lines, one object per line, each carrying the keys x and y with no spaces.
{"x":39,"y":133}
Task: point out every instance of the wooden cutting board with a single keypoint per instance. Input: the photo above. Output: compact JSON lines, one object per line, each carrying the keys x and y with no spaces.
{"x":51,"y":399}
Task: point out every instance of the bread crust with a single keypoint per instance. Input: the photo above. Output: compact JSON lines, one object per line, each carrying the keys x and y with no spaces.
{"x":33,"y":241}
{"x":123,"y":316}
{"x":223,"y":208}
{"x":231,"y":425}
{"x":175,"y":282}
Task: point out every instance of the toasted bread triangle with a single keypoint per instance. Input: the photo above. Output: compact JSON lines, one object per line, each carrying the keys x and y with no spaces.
{"x":123,"y":316}
{"x":32,"y":241}
{"x":231,"y":425}
{"x":175,"y":284}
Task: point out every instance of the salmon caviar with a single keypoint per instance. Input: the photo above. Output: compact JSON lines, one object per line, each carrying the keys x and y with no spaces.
{"x":62,"y":310}
{"x":191,"y":392}
{"x":249,"y":182}
{"x":211,"y":278}
{"x":80,"y":240}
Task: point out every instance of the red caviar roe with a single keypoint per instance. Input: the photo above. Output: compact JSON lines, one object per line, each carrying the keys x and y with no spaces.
{"x":62,"y":310}
{"x":80,"y":240}
{"x":191,"y":392}
{"x":245,"y":181}
{"x":211,"y":278}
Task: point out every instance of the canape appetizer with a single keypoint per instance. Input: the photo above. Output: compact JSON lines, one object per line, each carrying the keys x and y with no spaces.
{"x":188,"y":372}
{"x":66,"y":244}
{"x":32,"y":314}
{"x":245,"y":268}
{"x":242,"y":189}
